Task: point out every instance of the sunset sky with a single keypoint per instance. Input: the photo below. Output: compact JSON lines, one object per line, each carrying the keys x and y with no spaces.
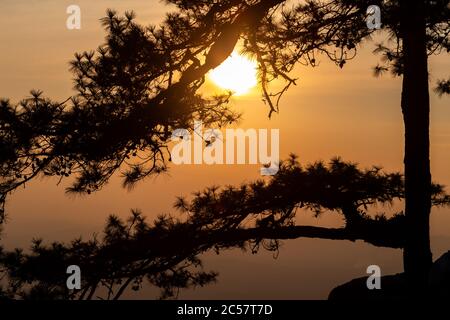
{"x":331,"y":112}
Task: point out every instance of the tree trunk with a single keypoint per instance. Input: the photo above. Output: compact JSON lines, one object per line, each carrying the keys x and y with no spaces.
{"x":415,"y":103}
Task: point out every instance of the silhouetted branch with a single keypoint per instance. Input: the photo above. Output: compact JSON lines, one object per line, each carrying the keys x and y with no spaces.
{"x":166,"y":253}
{"x":142,"y":83}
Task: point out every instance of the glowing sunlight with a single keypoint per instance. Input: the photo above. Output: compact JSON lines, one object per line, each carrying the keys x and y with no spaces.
{"x":237,"y":74}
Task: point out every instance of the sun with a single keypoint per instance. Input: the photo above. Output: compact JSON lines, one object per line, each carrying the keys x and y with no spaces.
{"x":237,"y":74}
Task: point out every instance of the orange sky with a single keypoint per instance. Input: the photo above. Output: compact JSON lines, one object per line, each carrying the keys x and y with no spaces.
{"x":331,"y":112}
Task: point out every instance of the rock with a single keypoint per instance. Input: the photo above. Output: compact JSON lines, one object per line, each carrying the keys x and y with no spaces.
{"x":439,"y":279}
{"x":394,"y":287}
